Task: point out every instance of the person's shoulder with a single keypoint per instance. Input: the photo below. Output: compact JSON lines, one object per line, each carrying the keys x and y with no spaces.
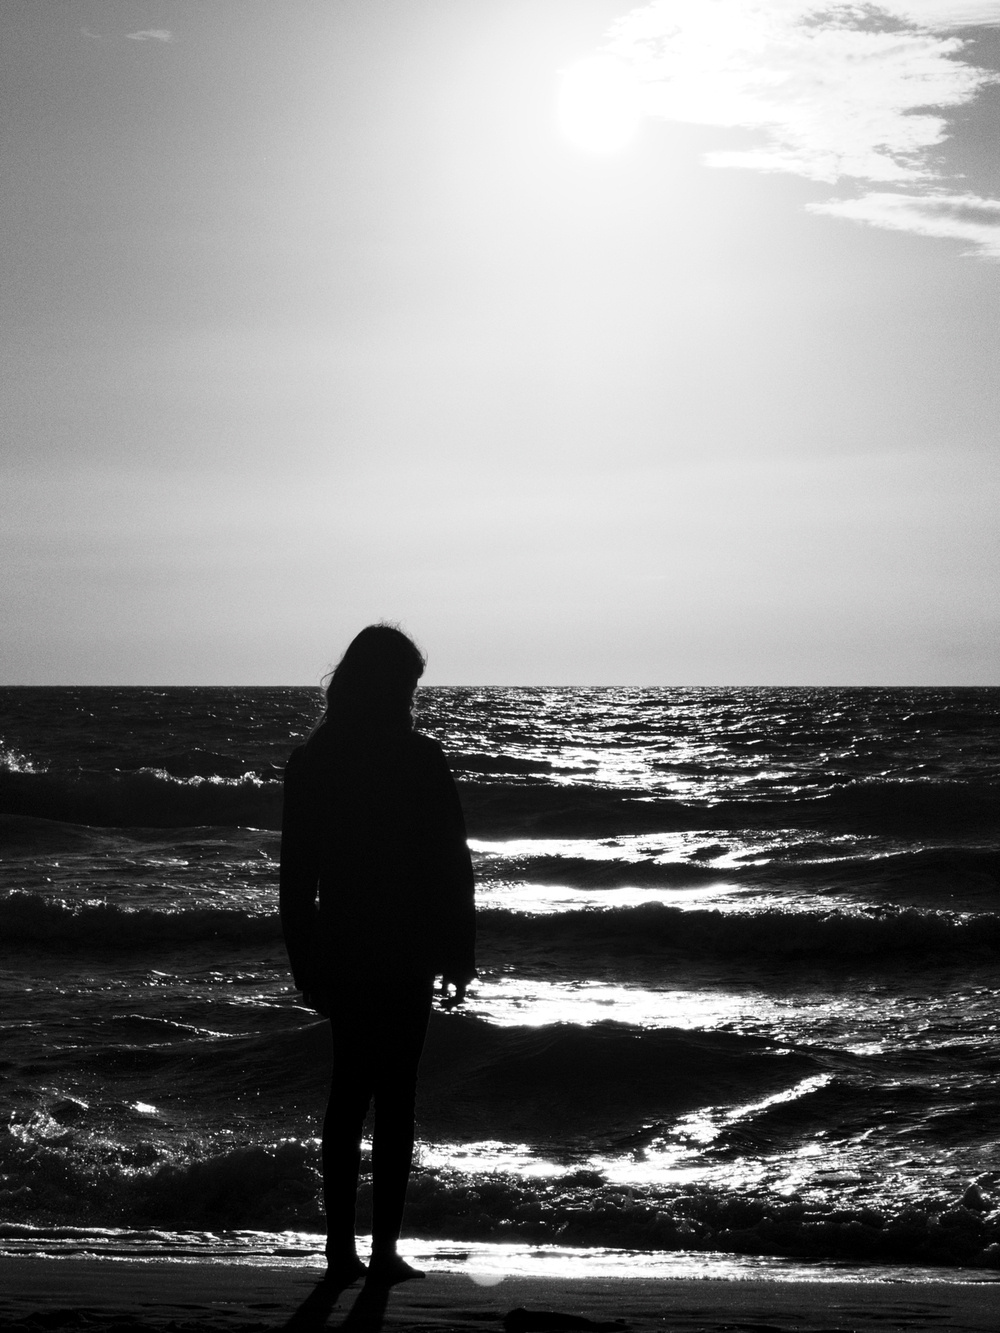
{"x":300,"y":761}
{"x":424,"y":742}
{"x":427,"y":748}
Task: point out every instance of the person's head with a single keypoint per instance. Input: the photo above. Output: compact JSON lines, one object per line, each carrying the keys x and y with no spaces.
{"x":374,"y":682}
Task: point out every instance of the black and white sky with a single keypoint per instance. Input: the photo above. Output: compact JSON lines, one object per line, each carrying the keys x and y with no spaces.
{"x":593,"y":343}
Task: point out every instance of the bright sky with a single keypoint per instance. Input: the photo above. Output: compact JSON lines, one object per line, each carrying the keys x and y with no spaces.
{"x":594,"y":344}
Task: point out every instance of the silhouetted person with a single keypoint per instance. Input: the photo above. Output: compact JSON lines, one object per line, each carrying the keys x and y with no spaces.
{"x":376,"y":901}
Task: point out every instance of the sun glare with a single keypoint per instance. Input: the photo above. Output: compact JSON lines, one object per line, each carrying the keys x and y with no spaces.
{"x":598,"y":106}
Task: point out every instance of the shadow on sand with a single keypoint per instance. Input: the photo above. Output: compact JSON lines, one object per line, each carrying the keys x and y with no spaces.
{"x":367,"y":1312}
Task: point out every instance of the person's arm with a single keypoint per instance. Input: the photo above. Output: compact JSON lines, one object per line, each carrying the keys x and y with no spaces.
{"x":458,"y":918}
{"x":299,"y":871}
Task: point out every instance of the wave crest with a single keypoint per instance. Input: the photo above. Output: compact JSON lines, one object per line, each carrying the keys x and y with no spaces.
{"x":276,"y":1187}
{"x":144,"y":798}
{"x":28,"y":918}
{"x":836,"y":935}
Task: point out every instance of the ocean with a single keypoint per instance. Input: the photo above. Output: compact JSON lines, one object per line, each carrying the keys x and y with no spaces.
{"x":737,"y":1003}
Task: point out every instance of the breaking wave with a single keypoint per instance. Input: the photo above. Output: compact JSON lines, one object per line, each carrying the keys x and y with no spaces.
{"x":276,"y":1187}
{"x":144,"y":798}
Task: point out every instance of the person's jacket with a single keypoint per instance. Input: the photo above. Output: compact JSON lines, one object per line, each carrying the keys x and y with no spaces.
{"x":376,"y":877}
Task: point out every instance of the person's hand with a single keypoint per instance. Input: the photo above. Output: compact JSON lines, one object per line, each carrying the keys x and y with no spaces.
{"x":448,"y":1000}
{"x":318,"y":1000}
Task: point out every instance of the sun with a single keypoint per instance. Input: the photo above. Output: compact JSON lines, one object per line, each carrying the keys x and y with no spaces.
{"x":598,"y":106}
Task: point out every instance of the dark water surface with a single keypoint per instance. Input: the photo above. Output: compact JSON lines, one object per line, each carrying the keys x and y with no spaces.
{"x":739,"y":988}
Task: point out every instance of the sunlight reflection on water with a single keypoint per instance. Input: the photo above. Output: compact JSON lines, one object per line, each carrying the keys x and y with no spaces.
{"x":658,"y":848}
{"x":848,"y":1022}
{"x":520,"y":1001}
{"x":483,"y":1263}
{"x":547,"y":899}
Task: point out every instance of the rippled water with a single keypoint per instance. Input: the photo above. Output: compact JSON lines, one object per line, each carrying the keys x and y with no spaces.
{"x":738,"y":954}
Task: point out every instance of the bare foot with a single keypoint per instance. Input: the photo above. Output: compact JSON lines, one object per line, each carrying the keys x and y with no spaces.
{"x":342,"y":1270}
{"x":385,"y":1270}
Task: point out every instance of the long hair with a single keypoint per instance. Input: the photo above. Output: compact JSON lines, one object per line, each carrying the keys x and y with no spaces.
{"x":371,"y":687}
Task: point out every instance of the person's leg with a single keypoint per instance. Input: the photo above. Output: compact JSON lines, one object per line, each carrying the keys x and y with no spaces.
{"x":351,"y":1090}
{"x":403,"y":1031}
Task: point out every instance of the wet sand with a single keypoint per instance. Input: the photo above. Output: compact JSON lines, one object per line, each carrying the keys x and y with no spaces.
{"x":224,"y":1297}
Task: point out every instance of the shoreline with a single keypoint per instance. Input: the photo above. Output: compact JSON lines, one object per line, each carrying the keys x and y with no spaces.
{"x":184,"y":1296}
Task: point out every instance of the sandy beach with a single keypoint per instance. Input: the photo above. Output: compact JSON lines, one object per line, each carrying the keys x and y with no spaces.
{"x":95,"y":1294}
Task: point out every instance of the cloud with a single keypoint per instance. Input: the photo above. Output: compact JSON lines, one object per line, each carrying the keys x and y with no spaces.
{"x":964,"y":217}
{"x":151,"y":35}
{"x":842,"y":90}
{"x":836,"y":90}
{"x":948,"y":13}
